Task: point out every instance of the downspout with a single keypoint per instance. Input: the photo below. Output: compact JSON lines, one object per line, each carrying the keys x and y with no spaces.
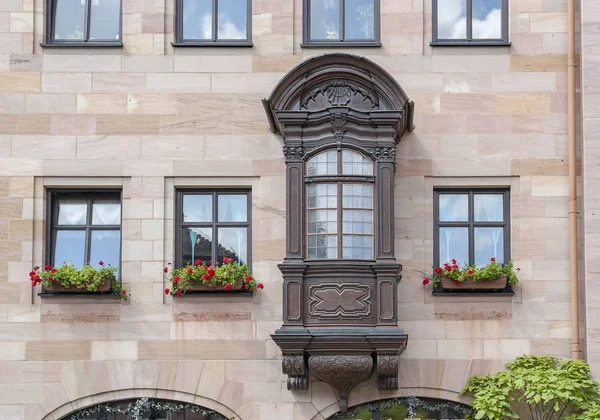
{"x":572,"y":121}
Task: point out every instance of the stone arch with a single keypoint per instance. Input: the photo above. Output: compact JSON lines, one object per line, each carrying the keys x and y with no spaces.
{"x":124,"y":394}
{"x":372,"y":395}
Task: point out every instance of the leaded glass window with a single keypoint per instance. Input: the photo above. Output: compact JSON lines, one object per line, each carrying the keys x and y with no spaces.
{"x":339,"y":206}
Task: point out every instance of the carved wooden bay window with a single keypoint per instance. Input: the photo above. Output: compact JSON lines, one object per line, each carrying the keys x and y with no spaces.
{"x":340,"y":117}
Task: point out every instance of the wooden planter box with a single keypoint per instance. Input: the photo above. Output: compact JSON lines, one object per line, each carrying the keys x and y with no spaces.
{"x":58,"y":288}
{"x":239,"y":285}
{"x":470,"y":284}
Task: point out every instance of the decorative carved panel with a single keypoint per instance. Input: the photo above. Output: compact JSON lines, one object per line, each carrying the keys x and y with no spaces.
{"x":340,"y":93}
{"x":339,"y":301}
{"x":342,"y":372}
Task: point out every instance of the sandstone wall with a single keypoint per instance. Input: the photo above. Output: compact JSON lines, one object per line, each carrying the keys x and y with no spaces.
{"x":148,"y":118}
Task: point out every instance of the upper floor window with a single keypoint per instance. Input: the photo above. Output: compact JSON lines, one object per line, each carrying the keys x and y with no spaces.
{"x":341,"y":22}
{"x":85,"y":228}
{"x":214,"y":23}
{"x":466,"y":22}
{"x":339,"y":206}
{"x":471,"y":226}
{"x":212,"y":225}
{"x":84,"y":22}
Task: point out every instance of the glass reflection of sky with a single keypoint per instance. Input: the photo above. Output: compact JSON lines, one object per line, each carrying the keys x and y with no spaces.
{"x":487,"y":19}
{"x":198,"y":19}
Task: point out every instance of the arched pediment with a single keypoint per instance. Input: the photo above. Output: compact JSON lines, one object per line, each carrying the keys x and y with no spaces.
{"x":339,"y":80}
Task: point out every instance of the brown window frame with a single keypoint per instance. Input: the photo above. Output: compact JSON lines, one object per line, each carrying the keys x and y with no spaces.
{"x":339,"y":179}
{"x":180,"y":41}
{"x":53,"y":197}
{"x":214,"y":224}
{"x":86,"y":42}
{"x":307,"y":41}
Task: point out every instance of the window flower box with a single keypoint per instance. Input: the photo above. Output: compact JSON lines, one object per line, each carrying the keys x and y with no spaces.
{"x":227,"y":277}
{"x":471,"y":284}
{"x":67,"y":279}
{"x":493,"y":276}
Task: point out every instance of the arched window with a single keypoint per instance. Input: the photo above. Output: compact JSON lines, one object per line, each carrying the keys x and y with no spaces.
{"x":145,"y":409}
{"x":339,"y":206}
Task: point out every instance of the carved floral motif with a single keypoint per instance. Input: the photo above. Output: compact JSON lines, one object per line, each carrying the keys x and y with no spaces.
{"x":342,"y":372}
{"x":338,"y":124}
{"x":293,"y":153}
{"x":339,"y":93}
{"x":385,"y":154}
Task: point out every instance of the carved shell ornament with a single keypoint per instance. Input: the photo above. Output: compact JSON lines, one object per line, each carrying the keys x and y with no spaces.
{"x":339,"y":93}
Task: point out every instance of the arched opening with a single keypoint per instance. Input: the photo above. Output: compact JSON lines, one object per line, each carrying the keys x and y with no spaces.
{"x":406,"y":408}
{"x":145,"y":409}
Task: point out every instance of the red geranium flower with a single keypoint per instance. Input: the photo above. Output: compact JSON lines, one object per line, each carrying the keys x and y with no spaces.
{"x":175,"y":279}
{"x":167,"y":290}
{"x":166,"y":269}
{"x":50,"y":279}
{"x":206,"y":276}
{"x":48,"y":267}
{"x":227,"y":260}
{"x":246,"y":287}
{"x":124,"y":291}
{"x":425,"y":282}
{"x":228,"y":286}
{"x":248,"y":278}
{"x":190,"y":270}
{"x":438,"y":270}
{"x":169,"y":263}
{"x":53,"y":270}
{"x":453,"y":261}
{"x":518,"y":269}
{"x":457,"y":282}
{"x":470,"y":272}
{"x":101,"y":263}
{"x":31,"y":273}
{"x":36,"y":267}
{"x":211,"y":272}
{"x":197,"y":262}
{"x":260,"y":286}
{"x":178,"y":292}
{"x":492,"y":259}
{"x":455,"y":267}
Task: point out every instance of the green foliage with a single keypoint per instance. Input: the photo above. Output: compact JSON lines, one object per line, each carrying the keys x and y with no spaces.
{"x":225,"y":276}
{"x":491,"y":271}
{"x":86,"y":278}
{"x":550,"y":388}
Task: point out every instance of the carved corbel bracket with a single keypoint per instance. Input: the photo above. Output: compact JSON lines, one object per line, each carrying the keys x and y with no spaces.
{"x":387,"y":370}
{"x":342,"y":372}
{"x":294,"y":365}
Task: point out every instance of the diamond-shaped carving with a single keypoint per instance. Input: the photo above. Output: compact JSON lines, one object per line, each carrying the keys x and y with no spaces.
{"x":338,"y":301}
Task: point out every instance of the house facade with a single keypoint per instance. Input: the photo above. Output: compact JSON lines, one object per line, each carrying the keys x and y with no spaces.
{"x":341,"y":149}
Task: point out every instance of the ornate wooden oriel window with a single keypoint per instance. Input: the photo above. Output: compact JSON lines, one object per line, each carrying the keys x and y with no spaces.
{"x":340,"y":117}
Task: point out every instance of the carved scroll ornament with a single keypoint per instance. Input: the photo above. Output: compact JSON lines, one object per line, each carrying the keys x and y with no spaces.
{"x":294,"y":365}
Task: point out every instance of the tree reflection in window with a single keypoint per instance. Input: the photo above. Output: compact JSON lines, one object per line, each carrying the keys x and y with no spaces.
{"x":146,"y":409}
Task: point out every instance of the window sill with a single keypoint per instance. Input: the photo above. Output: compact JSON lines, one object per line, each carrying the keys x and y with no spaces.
{"x":82,"y":45}
{"x":81,"y":298}
{"x":473,"y":293}
{"x":342,"y":44}
{"x":470,"y":44}
{"x":226,"y":44}
{"x":215,"y":292}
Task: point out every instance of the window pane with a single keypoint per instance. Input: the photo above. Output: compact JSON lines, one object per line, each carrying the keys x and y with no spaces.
{"x":322,"y":221}
{"x":358,"y":221}
{"x":106,"y":212}
{"x":196,"y":244}
{"x":489,"y":243}
{"x":105,"y":247}
{"x":197,"y":19}
{"x":233,"y":208}
{"x":452,"y":19}
{"x":72,"y":212}
{"x":322,"y":196}
{"x":356,"y":164}
{"x":197,"y":208}
{"x":233,"y":243}
{"x":70,"y":247}
{"x":69,"y":20}
{"x":489,"y":207}
{"x":232,"y":19}
{"x":454,"y":244}
{"x":357,"y":196}
{"x":325,"y":19}
{"x":487,"y":19}
{"x":323,"y":164}
{"x":322,"y":246}
{"x":358,"y":247}
{"x":105,"y":19}
{"x":359,"y":19}
{"x":454,"y":207}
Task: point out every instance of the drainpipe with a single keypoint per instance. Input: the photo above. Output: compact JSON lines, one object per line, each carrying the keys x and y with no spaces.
{"x":572,"y":120}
